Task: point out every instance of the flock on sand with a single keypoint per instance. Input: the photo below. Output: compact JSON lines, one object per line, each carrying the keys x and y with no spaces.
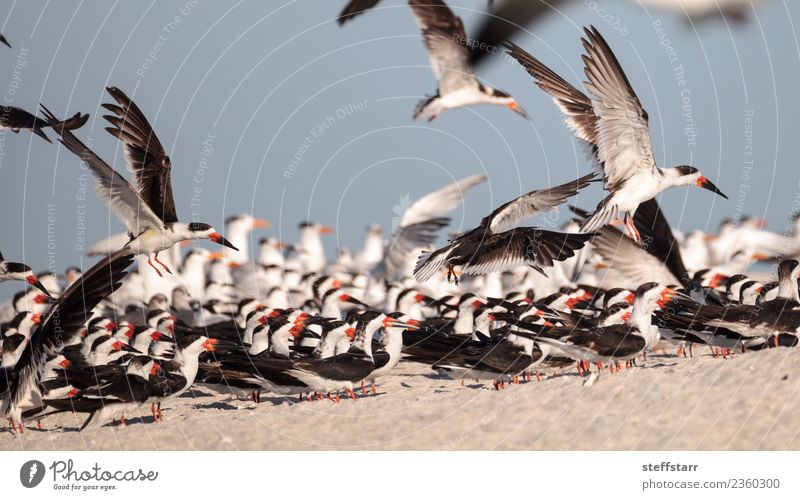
{"x":497,"y":303}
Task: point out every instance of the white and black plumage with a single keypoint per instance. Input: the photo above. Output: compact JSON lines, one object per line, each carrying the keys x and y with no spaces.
{"x":16,"y":119}
{"x":421,"y":223}
{"x":62,"y":323}
{"x":615,"y":125}
{"x":141,"y":209}
{"x":446,"y":42}
{"x":496,"y":245}
{"x":20,"y":272}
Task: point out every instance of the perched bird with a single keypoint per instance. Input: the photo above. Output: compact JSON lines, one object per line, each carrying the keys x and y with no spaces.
{"x":446,"y":42}
{"x":615,"y":125}
{"x":497,"y":245}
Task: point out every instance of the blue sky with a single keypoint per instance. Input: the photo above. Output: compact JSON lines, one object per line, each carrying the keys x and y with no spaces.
{"x":271,"y":108}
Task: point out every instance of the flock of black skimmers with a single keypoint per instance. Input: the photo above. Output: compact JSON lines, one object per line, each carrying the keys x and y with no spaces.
{"x":497,"y":303}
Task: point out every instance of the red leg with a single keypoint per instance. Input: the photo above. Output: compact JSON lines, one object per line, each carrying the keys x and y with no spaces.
{"x":162,"y":264}
{"x":154,"y":267}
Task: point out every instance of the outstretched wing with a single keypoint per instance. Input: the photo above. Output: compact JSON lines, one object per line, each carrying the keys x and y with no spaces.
{"x":66,"y":317}
{"x":115,"y":191}
{"x":446,"y":41}
{"x":530,"y":246}
{"x":533,"y":203}
{"x":581,"y":118}
{"x":623,"y":135}
{"x":422,"y":221}
{"x":147,"y":160}
{"x":355,"y":8}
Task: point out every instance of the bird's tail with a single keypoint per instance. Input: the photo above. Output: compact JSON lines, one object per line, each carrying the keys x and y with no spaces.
{"x":605,"y":213}
{"x":428,"y":108}
{"x":77,"y":121}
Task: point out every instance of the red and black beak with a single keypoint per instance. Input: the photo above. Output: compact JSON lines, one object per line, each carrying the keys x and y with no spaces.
{"x":707,"y":184}
{"x":34,"y":281}
{"x":218,"y":238}
{"x":210,"y":344}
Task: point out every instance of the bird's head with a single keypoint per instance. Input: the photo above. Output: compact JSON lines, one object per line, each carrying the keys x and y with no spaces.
{"x":687,"y":175}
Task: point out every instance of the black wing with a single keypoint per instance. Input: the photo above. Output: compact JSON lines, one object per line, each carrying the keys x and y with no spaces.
{"x":66,"y":317}
{"x":355,"y":8}
{"x":658,"y":238}
{"x":524,"y":246}
{"x":147,"y":159}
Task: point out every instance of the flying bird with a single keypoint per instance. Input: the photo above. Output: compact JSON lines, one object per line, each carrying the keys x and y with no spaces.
{"x":151,"y":221}
{"x":497,"y":245}
{"x":447,"y":44}
{"x":615,"y":125}
{"x":16,"y":119}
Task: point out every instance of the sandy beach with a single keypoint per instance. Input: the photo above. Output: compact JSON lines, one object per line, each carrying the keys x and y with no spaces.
{"x":748,"y":402}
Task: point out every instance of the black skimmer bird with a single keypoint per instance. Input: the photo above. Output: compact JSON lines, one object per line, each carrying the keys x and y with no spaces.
{"x":341,"y":371}
{"x":62,"y":324}
{"x":620,"y":342}
{"x":447,"y":45}
{"x":147,"y":211}
{"x":615,"y":125}
{"x":116,"y":397}
{"x":20,"y":272}
{"x":16,"y":119}
{"x":497,"y":245}
{"x":420,"y":225}
{"x":768,"y":319}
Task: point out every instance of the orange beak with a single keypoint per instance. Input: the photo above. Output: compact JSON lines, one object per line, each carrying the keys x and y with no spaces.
{"x":209,"y":344}
{"x":388,"y":321}
{"x":626,"y":316}
{"x":117,"y":346}
{"x":36,"y":319}
{"x":667,"y":295}
{"x":64,"y":364}
{"x":414,"y":322}
{"x":350,"y":332}
{"x":296,"y":330}
{"x":155,"y":369}
{"x":716,"y":280}
{"x":336,"y":284}
{"x":325,"y":230}
{"x":156,"y":336}
{"x":761,"y":256}
{"x":344,"y":297}
{"x":572,"y":302}
{"x":216,"y":255}
{"x":629,"y":298}
{"x":419,"y":297}
{"x":31,"y":280}
{"x":261,"y":224}
{"x":477,"y":303}
{"x":40,"y":299}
